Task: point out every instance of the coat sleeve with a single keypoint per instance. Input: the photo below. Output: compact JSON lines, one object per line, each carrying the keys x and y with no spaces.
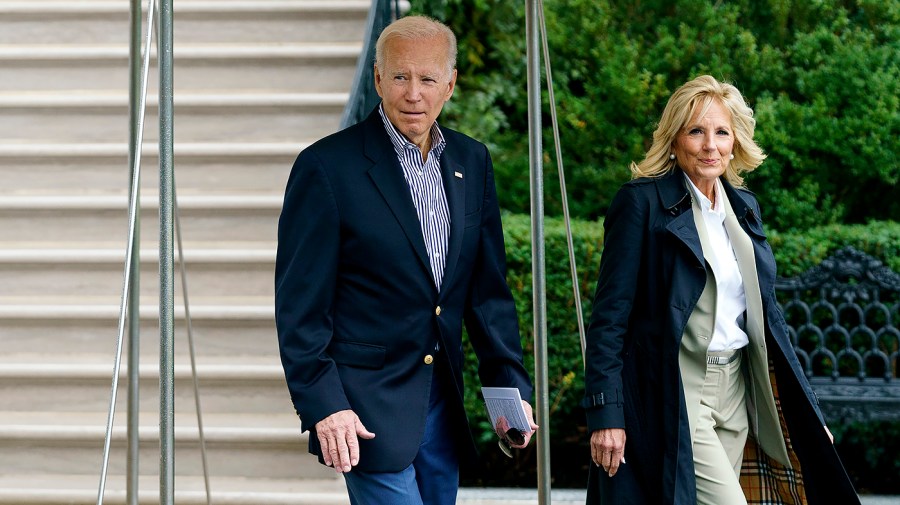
{"x":625,"y":230}
{"x":490,"y":313}
{"x":305,"y":279}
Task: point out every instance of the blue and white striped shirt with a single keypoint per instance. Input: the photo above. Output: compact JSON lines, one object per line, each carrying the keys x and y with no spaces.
{"x":427,"y":190}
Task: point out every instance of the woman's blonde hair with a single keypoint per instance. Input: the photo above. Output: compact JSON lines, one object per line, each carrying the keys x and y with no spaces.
{"x":691,"y":100}
{"x":416,"y":28}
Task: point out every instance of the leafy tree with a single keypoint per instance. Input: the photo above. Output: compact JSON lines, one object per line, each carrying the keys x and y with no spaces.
{"x":822,"y":75}
{"x":831,"y":131}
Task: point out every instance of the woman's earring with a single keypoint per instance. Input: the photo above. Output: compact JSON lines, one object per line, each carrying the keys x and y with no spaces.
{"x":672,"y":156}
{"x":731,"y":156}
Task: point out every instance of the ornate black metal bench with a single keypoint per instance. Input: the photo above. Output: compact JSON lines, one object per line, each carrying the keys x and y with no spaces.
{"x":843,"y":316}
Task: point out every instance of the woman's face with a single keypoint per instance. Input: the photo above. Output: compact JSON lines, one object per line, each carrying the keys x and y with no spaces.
{"x":703,"y":147}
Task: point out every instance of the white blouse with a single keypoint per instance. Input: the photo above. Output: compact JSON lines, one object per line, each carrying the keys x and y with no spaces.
{"x":731,"y":302}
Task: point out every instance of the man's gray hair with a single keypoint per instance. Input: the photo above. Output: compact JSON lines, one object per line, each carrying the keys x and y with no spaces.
{"x":416,"y":28}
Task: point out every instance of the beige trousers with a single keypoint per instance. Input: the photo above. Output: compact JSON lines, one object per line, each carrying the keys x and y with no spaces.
{"x":720,"y":435}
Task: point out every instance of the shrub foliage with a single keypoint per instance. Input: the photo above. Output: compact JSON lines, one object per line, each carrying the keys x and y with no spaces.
{"x":822,"y":75}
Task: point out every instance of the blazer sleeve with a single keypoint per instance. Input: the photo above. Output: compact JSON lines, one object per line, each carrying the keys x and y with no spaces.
{"x":490,"y":313}
{"x":305,"y":279}
{"x":625,"y":231}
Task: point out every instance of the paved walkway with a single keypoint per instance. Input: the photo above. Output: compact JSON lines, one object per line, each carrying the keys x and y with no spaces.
{"x":504,"y":496}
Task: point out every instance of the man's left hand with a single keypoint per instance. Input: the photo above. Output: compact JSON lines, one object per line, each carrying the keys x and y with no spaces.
{"x":503,"y":426}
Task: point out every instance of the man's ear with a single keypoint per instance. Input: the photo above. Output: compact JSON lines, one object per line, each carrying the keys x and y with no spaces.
{"x":377,"y":81}
{"x":451,"y":86}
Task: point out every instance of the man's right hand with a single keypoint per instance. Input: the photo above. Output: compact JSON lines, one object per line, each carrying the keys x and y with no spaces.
{"x":338,"y":437}
{"x":608,"y":449}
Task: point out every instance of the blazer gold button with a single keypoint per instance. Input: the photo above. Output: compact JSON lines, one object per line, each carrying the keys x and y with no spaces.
{"x":437,"y":311}
{"x":429,"y":359}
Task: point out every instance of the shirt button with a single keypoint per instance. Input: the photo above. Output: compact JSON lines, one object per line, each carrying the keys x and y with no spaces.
{"x":437,"y":310}
{"x":429,"y":359}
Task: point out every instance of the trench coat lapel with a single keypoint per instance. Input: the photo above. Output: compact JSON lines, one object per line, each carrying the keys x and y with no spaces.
{"x":764,"y":414}
{"x":675,"y":199}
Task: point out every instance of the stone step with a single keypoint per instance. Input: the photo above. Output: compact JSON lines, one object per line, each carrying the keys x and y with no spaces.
{"x":214,"y":168}
{"x":256,"y":81}
{"x":223,"y":330}
{"x":313,"y":67}
{"x":78,"y":383}
{"x":66,"y":489}
{"x":239,"y":445}
{"x":98,"y":272}
{"x":252,"y":218}
{"x":200,"y":117}
{"x":107,"y":21}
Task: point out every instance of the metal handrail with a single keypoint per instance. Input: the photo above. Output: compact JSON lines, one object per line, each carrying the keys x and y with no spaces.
{"x":135,"y":109}
{"x":129,"y":255}
{"x":363,"y":97}
{"x":192,"y":352}
{"x":538,"y":259}
{"x":576,"y":291}
{"x":165,"y":43}
{"x":169,"y":225}
{"x":536,"y":34}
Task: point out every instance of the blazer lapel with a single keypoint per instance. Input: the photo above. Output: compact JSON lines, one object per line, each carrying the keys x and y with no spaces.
{"x":699,"y":329}
{"x":764,"y":414}
{"x":743,"y":252}
{"x":387,"y":175}
{"x":455,"y":189}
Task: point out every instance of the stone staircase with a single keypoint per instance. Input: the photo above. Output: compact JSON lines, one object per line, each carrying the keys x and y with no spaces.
{"x":255,"y":81}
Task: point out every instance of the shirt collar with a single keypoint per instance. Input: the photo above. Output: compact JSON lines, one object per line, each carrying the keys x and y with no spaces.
{"x":401,"y":143}
{"x":705,"y":204}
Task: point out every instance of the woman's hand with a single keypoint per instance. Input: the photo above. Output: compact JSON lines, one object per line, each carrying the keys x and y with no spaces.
{"x":608,"y":449}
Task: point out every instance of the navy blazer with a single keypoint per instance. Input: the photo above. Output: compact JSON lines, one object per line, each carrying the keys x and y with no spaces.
{"x":356,"y":307}
{"x":652,"y":273}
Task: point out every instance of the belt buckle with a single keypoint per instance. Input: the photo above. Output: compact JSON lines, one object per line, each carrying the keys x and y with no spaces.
{"x":722,"y":360}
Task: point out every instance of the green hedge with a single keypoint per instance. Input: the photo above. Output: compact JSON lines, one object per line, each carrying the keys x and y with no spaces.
{"x":822,"y":75}
{"x":795,"y":252}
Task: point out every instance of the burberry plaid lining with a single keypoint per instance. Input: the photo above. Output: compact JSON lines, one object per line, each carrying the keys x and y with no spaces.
{"x":766,"y":481}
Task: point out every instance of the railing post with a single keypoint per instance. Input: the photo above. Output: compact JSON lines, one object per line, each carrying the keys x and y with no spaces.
{"x":362,"y":96}
{"x":166,"y":260}
{"x":537,"y":251}
{"x":134,"y":316}
{"x":362,"y":78}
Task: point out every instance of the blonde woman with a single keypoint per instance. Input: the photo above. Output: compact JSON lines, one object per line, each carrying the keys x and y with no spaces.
{"x":693,"y":391}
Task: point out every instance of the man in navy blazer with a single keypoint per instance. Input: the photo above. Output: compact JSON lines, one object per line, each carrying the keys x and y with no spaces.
{"x":389,"y":239}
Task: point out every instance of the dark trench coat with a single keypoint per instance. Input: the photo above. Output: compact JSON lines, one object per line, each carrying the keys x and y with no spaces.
{"x":652,"y":273}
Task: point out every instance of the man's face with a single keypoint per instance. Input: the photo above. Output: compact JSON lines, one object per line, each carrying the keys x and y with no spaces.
{"x":414,"y":85}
